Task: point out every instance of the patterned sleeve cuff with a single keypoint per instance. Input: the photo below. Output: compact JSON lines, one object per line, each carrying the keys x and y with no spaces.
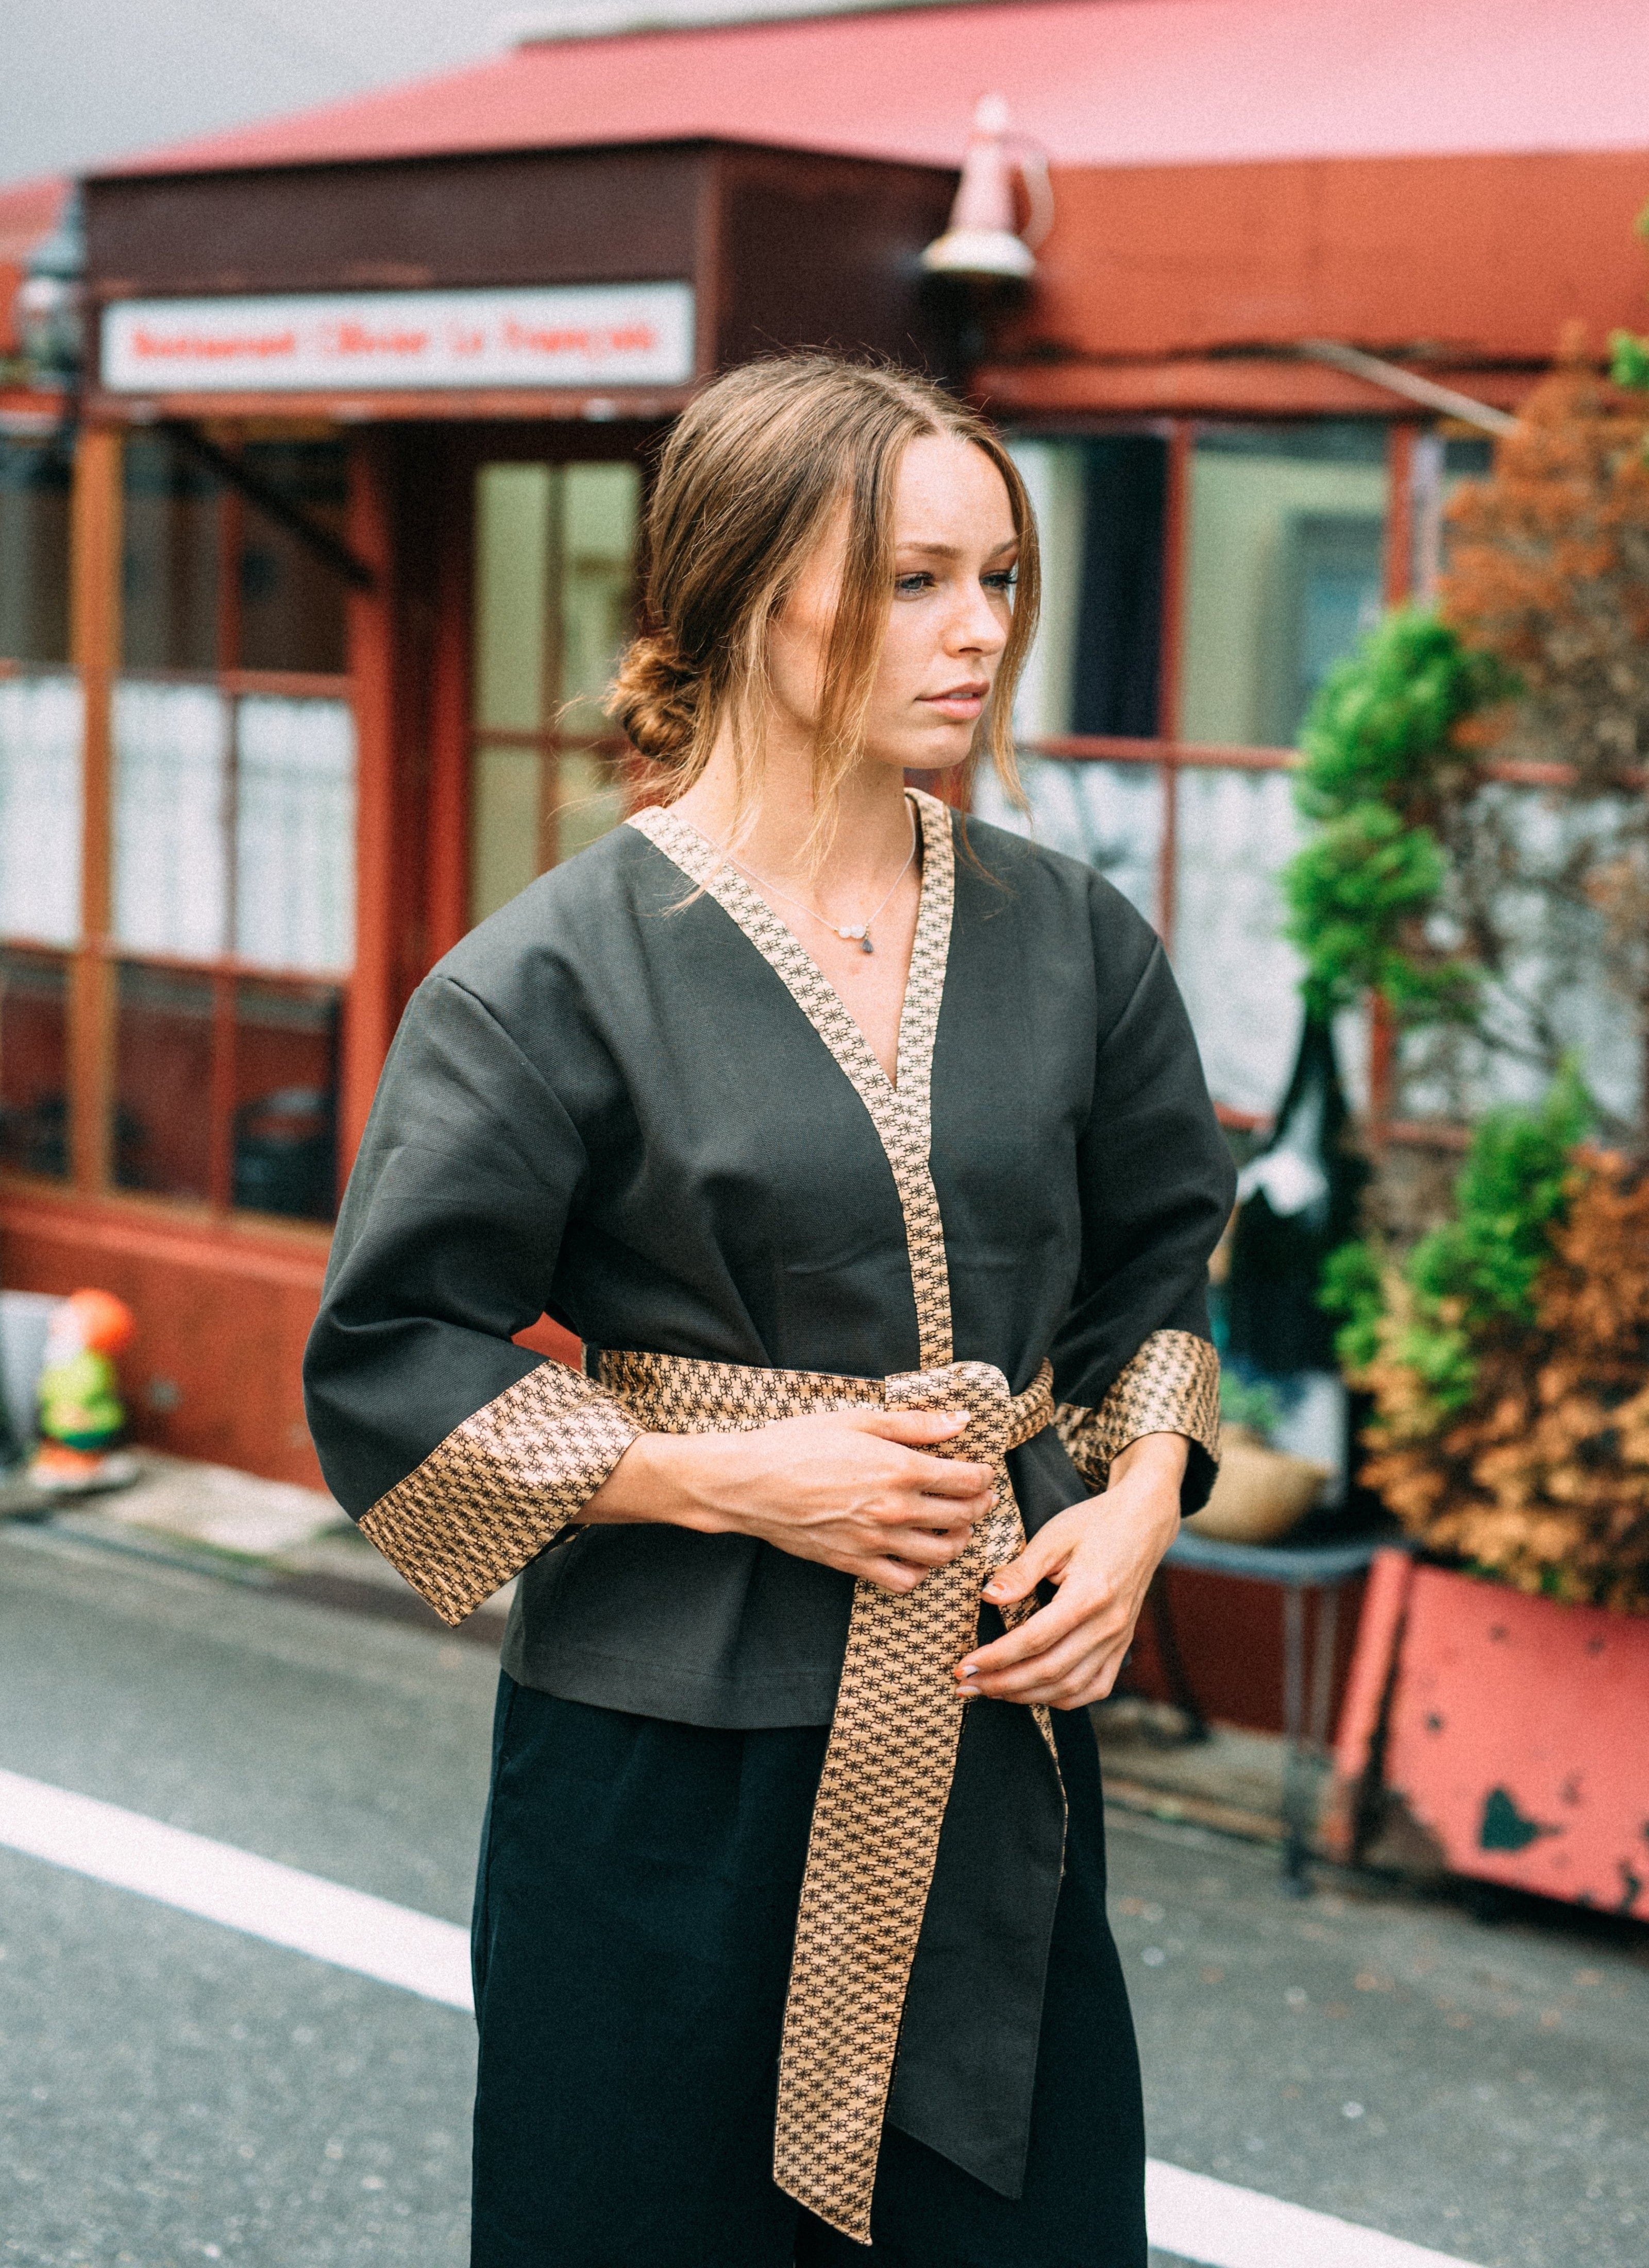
{"x":500,"y":1487}
{"x":1171,"y":1386}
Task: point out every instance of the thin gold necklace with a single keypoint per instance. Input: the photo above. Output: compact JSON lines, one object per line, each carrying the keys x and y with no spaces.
{"x":854,"y":933}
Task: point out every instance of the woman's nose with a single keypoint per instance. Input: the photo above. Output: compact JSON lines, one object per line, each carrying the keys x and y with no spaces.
{"x":976,"y":627}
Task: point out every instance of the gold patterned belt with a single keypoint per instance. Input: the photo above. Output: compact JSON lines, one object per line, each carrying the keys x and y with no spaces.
{"x":891,"y":1758}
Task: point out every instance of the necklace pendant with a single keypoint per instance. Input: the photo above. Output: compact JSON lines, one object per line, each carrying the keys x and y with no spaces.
{"x":865,"y":942}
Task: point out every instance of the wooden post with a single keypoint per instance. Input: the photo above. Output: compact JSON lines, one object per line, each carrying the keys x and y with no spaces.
{"x":1175,"y":531}
{"x":94,"y":632}
{"x":220,"y":1164}
{"x":1399,"y":562}
{"x":446,"y":909}
{"x":1398,"y":587}
{"x":369,"y":1016}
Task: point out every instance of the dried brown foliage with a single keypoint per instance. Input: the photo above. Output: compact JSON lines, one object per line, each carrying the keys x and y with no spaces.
{"x":1548,"y":890}
{"x":1544,"y":1482}
{"x":1549,"y":566}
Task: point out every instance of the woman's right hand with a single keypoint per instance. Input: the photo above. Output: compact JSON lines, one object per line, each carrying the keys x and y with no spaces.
{"x":850,"y":1488}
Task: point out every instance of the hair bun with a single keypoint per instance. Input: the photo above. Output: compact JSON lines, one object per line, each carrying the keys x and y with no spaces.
{"x":654,"y":698}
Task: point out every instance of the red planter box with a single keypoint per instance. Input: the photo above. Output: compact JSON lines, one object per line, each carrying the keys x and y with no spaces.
{"x":1515,"y":1731}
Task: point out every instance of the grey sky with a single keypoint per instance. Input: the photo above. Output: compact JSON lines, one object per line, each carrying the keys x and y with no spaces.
{"x":85,"y":81}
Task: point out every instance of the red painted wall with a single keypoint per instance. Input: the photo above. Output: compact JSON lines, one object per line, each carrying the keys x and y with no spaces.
{"x":1486,"y":257}
{"x":222,"y":1319}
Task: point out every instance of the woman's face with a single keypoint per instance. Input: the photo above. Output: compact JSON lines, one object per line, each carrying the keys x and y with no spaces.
{"x":949,"y":610}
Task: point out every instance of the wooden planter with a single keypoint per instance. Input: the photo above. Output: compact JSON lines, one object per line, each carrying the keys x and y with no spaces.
{"x":1497,"y":1735}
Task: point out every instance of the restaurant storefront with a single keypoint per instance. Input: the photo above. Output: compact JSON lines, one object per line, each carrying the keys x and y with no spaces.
{"x":310,"y":584}
{"x":303,"y":665}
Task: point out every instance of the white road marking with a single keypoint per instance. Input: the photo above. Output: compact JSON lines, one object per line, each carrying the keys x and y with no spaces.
{"x":1212,"y":2222}
{"x":1220,"y":2226}
{"x":348,"y":1928}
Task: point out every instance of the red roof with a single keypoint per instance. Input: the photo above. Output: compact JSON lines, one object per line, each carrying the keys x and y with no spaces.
{"x":1098,"y":81}
{"x":28,"y":211}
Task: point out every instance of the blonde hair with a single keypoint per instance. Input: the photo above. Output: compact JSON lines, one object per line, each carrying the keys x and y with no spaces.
{"x":747,"y":481}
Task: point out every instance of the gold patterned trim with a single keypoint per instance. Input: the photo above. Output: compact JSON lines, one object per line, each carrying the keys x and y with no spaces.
{"x":677,"y":1394}
{"x":500,"y":1487}
{"x":1171,"y":1386}
{"x":892,"y":1753}
{"x":890,"y":1763}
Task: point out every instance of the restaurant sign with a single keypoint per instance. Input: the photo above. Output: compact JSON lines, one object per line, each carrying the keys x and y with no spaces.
{"x":616,"y":334}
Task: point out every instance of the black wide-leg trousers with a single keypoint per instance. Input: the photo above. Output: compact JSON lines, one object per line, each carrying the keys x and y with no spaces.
{"x":635,"y":1914}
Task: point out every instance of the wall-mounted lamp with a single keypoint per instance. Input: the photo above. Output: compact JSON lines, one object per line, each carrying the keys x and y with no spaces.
{"x":985,"y":241}
{"x":51,"y":301}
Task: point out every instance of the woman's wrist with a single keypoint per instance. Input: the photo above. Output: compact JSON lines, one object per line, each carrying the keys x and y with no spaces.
{"x":660,"y":1480}
{"x":1151,"y":1461}
{"x":1145,"y":1480}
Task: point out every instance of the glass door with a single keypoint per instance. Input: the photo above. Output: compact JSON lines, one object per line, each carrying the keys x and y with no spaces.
{"x":554,"y":599}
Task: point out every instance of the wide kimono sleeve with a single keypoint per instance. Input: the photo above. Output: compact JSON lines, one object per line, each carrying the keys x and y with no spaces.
{"x":460,"y":1455}
{"x":1135,"y":1355}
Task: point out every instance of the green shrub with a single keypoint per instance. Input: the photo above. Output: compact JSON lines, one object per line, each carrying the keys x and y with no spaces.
{"x":1378,"y":742}
{"x":1472,"y":1279}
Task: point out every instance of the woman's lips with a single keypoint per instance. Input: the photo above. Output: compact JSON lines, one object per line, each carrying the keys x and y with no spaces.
{"x":963,"y":701}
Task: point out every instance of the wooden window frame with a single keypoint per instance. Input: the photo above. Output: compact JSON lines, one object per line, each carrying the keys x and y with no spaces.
{"x":456,"y":738}
{"x":1171,"y":758}
{"x":94,"y":960}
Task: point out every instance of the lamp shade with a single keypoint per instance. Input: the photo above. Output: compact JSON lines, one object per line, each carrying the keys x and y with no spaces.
{"x":983,"y":239}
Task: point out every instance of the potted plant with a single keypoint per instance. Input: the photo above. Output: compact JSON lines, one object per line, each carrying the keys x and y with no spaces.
{"x":1481,"y":867}
{"x":1263,"y":1492}
{"x":1495,"y":1718}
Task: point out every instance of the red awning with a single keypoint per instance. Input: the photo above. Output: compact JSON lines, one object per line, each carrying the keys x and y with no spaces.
{"x":1099,"y":82}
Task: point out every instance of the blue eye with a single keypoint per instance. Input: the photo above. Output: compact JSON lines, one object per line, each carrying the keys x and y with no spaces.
{"x":1005,"y":580}
{"x":910,"y":586}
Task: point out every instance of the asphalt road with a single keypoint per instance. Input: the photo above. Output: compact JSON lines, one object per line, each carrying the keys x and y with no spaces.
{"x":172,"y":2092}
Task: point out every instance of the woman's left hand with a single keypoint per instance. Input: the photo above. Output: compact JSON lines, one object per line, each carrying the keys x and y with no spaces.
{"x":1101,"y":1555}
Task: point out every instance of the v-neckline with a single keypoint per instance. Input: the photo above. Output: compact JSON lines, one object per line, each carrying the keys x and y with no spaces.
{"x":901,"y":1109}
{"x":707,"y":865}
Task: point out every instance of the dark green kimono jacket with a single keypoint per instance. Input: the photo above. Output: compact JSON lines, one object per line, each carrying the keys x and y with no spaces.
{"x":606,"y":1104}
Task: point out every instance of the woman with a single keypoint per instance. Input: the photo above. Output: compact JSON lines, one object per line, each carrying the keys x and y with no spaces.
{"x":836,"y":1130}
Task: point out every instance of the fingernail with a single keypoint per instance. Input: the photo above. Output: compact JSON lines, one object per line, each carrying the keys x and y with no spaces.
{"x":994,"y":1590}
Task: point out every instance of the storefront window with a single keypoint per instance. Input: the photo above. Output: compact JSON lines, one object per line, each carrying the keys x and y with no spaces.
{"x":234,"y":806}
{"x":232,"y":849}
{"x":1282,"y":552}
{"x":34,"y":1063}
{"x":293,"y":615}
{"x":34,"y":482}
{"x":294,"y":833}
{"x":42,"y":723}
{"x":1100,"y":504}
{"x":1284,"y":571}
{"x":555,"y":577}
{"x":41,"y":705}
{"x":1440,"y":468}
{"x":1108,"y":815}
{"x":163,"y":1082}
{"x":170,"y":774}
{"x":210,"y":582}
{"x":234,"y":826}
{"x":285,"y":1157}
{"x":172,"y":524}
{"x":225,"y":1090}
{"x":1238,"y":974}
